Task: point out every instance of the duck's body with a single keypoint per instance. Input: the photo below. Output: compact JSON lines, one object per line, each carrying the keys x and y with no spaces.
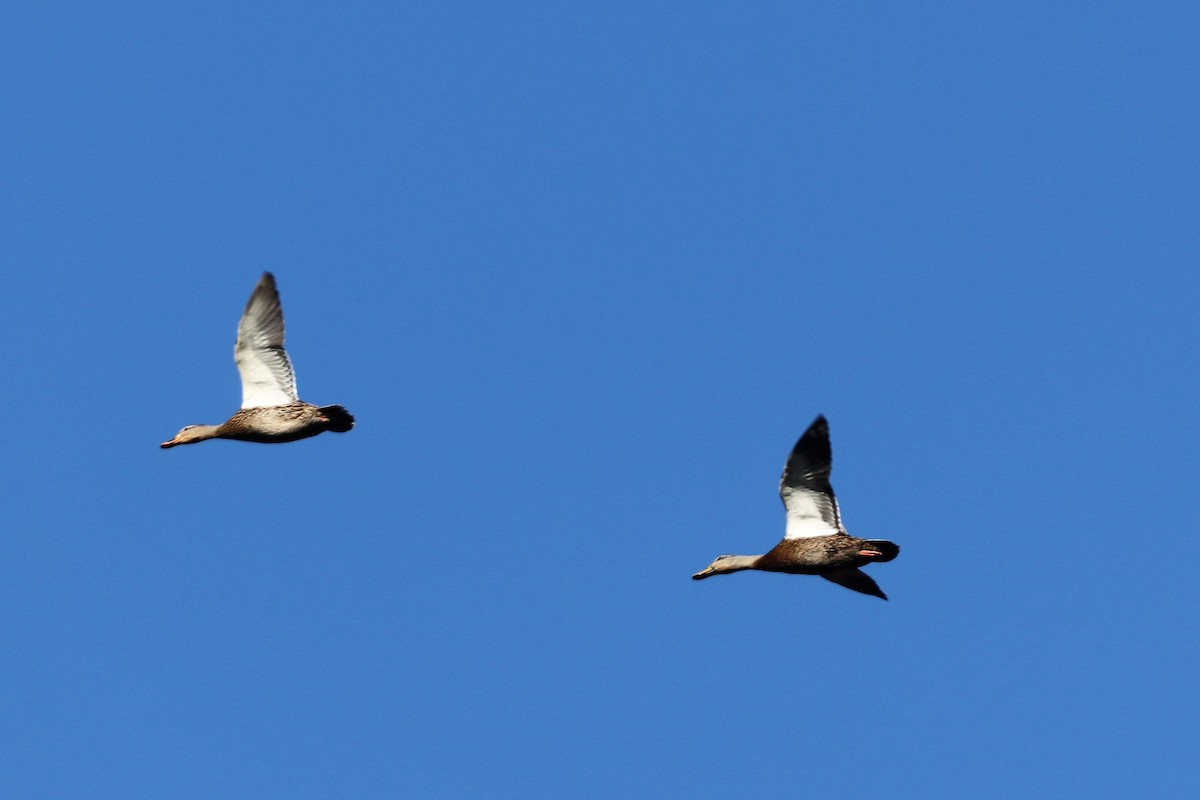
{"x":820,"y":554}
{"x":271,"y":411}
{"x":815,"y":542}
{"x":271,"y":424}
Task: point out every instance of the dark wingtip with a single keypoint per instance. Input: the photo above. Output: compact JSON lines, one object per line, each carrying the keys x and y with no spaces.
{"x":267,"y":281}
{"x":816,"y":438}
{"x":819,"y":427}
{"x":855,"y":580}
{"x":868,"y":590}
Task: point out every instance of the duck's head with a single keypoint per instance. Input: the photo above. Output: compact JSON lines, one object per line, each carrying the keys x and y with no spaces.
{"x":191,"y":433}
{"x":724,"y":564}
{"x":711,"y":569}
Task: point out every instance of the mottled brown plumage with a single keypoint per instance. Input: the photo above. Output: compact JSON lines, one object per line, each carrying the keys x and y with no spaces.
{"x":818,"y":554}
{"x":815,"y":542}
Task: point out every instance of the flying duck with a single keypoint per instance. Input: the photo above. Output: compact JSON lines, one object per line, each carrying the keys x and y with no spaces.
{"x":815,"y":542}
{"x":271,"y":410}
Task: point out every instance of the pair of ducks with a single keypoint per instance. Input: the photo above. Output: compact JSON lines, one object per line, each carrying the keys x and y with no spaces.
{"x":815,"y":542}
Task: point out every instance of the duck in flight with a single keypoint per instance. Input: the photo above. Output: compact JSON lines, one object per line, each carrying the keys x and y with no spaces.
{"x":271,"y":411}
{"x":815,"y":542}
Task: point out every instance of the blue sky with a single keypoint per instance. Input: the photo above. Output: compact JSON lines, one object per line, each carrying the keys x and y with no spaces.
{"x":584,"y":274}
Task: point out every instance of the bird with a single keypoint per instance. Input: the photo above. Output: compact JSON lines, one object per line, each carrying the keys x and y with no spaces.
{"x":271,"y":410}
{"x":815,"y":542}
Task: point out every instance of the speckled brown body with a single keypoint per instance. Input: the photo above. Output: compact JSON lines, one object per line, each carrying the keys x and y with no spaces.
{"x":271,"y":424}
{"x":817,"y":554}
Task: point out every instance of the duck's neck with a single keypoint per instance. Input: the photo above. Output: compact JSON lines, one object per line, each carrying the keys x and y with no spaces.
{"x":207,"y":431}
{"x":733,"y":564}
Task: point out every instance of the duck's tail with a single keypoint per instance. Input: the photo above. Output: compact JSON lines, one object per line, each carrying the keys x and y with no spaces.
{"x":889,"y":549}
{"x":339,"y":418}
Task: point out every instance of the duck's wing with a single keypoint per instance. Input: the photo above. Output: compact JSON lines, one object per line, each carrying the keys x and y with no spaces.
{"x":855,"y":579}
{"x":812,"y":510}
{"x":267,"y":377}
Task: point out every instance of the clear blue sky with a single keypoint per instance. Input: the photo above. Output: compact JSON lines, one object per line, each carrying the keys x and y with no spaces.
{"x":584,"y":273}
